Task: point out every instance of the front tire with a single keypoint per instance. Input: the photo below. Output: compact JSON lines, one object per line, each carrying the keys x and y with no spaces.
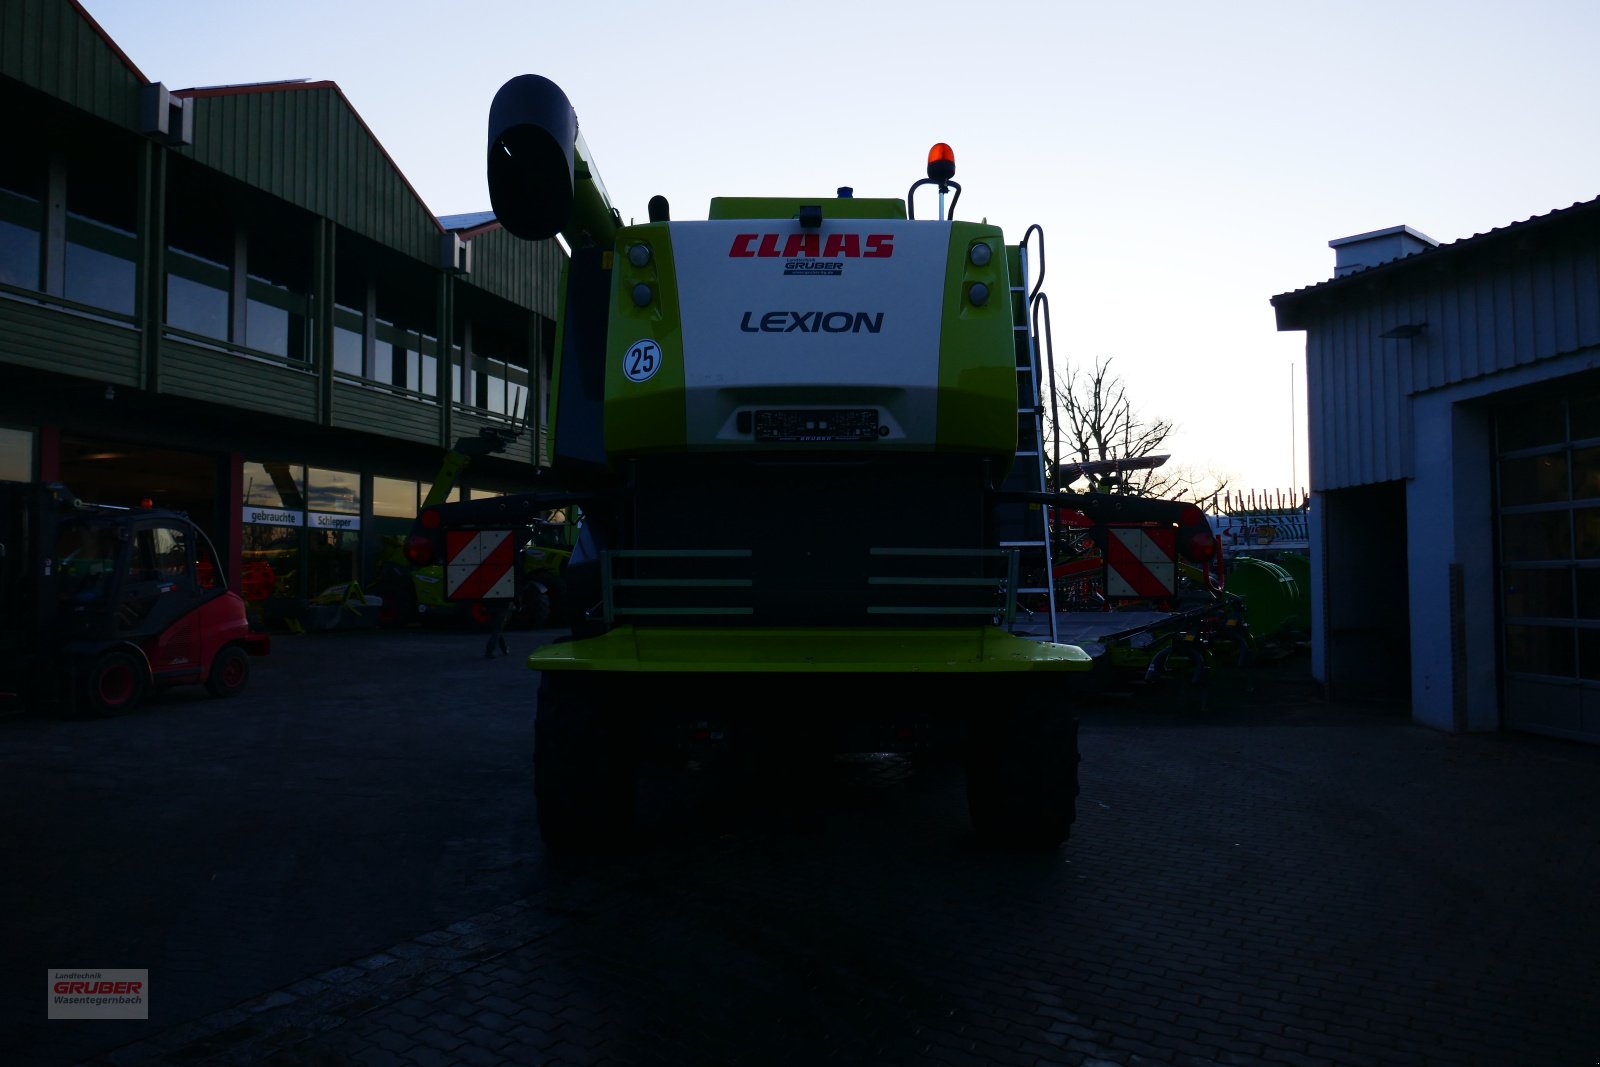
{"x":585,"y":764}
{"x":116,"y":681}
{"x":230,"y":670}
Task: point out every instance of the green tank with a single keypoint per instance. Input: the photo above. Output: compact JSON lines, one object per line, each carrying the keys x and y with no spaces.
{"x":1274,"y":606}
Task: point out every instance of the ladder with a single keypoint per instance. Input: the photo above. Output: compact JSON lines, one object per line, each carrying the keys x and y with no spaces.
{"x":1025,"y":529}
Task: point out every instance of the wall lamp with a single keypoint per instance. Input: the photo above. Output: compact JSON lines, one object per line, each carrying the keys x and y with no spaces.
{"x":1405,"y":332}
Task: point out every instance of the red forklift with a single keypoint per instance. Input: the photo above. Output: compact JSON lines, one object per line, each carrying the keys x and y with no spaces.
{"x":100,"y":605}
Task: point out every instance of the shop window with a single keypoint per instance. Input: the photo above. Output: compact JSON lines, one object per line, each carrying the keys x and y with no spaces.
{"x":395,"y":498}
{"x":270,"y":579}
{"x":16,"y":455}
{"x":275,"y":485}
{"x":336,"y":492}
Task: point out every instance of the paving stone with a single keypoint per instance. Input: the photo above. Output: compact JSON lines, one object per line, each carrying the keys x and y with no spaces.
{"x":1258,"y":883}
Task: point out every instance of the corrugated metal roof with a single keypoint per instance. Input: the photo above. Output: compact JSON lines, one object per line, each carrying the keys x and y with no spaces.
{"x":1531,"y":224}
{"x":471,"y":220}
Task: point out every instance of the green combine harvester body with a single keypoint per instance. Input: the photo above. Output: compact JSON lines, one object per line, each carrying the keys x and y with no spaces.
{"x":789,"y":427}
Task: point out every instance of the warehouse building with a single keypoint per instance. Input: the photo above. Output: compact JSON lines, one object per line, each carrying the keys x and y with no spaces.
{"x":230,"y":301}
{"x":1454,"y":418}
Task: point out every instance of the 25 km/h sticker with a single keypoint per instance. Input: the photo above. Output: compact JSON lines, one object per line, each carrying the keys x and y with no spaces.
{"x":641,"y":361}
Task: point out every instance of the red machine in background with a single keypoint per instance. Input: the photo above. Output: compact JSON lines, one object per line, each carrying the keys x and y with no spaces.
{"x":1129,"y":551}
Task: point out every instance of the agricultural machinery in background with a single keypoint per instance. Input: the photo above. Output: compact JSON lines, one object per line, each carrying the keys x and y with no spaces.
{"x":416,"y":582}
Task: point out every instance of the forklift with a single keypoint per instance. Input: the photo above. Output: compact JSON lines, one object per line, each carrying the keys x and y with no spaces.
{"x":101,"y":605}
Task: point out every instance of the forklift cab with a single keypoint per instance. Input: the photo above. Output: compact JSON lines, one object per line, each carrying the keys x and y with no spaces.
{"x":125,"y":575}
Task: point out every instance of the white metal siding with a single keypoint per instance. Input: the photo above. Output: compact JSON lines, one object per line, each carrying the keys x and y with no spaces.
{"x":1484,"y":313}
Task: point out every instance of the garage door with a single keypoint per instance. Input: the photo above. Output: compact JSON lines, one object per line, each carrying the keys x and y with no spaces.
{"x":1548,"y":518}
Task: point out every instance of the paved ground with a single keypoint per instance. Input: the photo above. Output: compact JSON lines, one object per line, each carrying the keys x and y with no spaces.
{"x":340,"y":866}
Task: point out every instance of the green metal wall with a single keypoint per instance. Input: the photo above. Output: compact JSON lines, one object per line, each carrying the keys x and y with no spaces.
{"x":305,"y":145}
{"x":524,"y":272}
{"x":55,"y":47}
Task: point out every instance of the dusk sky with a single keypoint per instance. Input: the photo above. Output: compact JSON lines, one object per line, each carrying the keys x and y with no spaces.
{"x":1186,"y":161}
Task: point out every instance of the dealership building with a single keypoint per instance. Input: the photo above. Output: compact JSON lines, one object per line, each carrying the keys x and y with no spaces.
{"x":229,"y":301}
{"x":1454,"y":416}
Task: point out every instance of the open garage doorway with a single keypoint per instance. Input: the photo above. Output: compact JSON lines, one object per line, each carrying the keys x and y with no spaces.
{"x":123,"y":474}
{"x":1366,"y":614}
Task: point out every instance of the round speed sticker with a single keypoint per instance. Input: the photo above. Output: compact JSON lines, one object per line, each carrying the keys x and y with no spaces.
{"x":641,"y":361}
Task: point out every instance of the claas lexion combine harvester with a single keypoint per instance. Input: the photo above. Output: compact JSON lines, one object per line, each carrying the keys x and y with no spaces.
{"x":804,"y":435}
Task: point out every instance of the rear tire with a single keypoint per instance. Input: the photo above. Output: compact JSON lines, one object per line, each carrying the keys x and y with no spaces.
{"x":230,"y":670}
{"x":115,"y":682}
{"x":1022,"y":778}
{"x":585,"y":764}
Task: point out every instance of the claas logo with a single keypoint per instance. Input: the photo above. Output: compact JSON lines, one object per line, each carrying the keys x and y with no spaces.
{"x":815,"y":245}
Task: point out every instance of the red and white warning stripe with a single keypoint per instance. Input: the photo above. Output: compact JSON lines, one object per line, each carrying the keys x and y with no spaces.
{"x":478,"y":565}
{"x":1141,"y":562}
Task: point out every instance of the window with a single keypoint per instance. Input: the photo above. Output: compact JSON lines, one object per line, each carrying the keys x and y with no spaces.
{"x":101,"y":249}
{"x":407,"y":352}
{"x":394,"y":498}
{"x":275,"y":485}
{"x":277,"y":290}
{"x":349,"y":341}
{"x":16,"y":455}
{"x":492,"y":375}
{"x":21,"y":220}
{"x":274,"y":521}
{"x":197,"y":294}
{"x":275,"y":319}
{"x":336,"y":492}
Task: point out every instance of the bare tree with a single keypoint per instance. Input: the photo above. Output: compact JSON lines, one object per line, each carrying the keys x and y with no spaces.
{"x":1099,"y":425}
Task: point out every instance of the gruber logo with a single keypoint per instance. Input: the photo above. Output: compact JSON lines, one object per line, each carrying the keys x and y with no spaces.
{"x":811,"y":322}
{"x":99,"y":989}
{"x":812,"y":245}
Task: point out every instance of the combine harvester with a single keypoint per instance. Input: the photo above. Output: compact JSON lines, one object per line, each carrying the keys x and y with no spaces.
{"x":805,"y":434}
